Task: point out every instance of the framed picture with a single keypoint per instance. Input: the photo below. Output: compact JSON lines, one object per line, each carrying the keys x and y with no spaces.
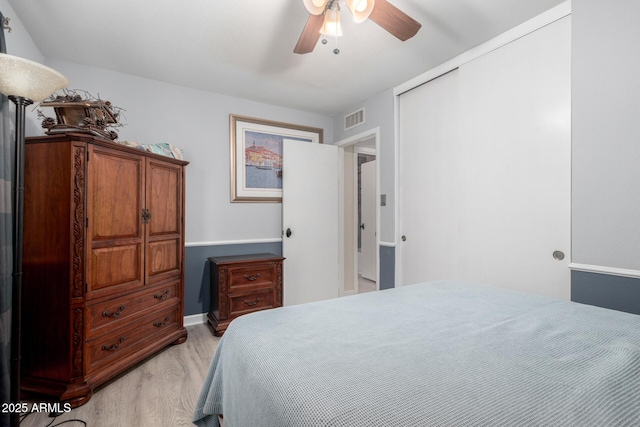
{"x":256,"y":156}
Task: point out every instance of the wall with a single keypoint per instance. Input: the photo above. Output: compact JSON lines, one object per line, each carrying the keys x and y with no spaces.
{"x":19,"y":43}
{"x":379,"y":113}
{"x":197,"y":122}
{"x":606,"y":154}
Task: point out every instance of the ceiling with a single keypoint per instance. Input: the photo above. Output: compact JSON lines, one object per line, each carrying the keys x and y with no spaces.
{"x":244,"y":48}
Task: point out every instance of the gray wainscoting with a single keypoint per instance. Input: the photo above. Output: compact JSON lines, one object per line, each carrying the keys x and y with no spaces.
{"x":604,"y":290}
{"x":387,"y":267}
{"x":197,"y":276}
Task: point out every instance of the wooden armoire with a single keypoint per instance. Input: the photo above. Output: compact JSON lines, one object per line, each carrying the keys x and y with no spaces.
{"x":103,"y":262}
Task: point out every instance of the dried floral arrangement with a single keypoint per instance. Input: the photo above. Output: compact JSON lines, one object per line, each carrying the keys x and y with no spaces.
{"x":79,"y":111}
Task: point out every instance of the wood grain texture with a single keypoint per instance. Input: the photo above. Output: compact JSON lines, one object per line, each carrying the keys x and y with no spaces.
{"x":100,"y":291}
{"x":162,"y":391}
{"x":394,"y":20}
{"x":310,"y":35}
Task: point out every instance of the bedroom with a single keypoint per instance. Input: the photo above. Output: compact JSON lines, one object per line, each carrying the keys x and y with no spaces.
{"x":604,"y":208}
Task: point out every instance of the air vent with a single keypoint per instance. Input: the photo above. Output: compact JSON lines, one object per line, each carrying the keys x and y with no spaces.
{"x":354,"y":119}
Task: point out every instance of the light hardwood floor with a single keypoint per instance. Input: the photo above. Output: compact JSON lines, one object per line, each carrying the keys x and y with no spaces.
{"x":160,"y":392}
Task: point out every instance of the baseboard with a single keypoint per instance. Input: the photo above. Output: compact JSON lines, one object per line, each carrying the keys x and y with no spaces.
{"x":195,"y":319}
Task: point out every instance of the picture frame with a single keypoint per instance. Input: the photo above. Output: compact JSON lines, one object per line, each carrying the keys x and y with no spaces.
{"x":256,"y":156}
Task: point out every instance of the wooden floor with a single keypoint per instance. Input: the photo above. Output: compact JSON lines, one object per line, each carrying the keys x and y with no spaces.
{"x":160,"y":392}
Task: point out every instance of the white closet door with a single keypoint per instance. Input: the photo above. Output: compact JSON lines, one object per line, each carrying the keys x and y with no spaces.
{"x":489,"y":200}
{"x":429,"y":147}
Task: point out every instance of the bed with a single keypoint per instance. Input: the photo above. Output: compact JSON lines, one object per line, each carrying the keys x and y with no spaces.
{"x":442,"y":353}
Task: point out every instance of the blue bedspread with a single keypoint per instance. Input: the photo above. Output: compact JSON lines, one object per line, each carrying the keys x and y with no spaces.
{"x":434,"y":354}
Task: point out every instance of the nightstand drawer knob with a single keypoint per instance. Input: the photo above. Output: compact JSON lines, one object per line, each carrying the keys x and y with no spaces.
{"x":252,"y":278}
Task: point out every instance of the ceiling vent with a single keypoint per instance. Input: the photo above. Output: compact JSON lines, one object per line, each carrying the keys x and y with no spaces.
{"x":354,"y":119}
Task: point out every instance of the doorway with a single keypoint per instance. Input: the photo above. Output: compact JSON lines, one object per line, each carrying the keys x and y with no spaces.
{"x":367,"y":245}
{"x":360,"y":213}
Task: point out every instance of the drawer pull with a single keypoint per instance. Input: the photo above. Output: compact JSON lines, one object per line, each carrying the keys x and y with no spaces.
{"x":159,"y":324}
{"x":115,"y":313}
{"x":252,"y":303}
{"x":113,"y":347}
{"x":252,"y":278}
{"x":164,"y":296}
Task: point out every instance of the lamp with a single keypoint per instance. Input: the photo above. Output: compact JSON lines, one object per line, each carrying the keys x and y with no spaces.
{"x":315,"y":7}
{"x":360,"y":9}
{"x":23,"y":82}
{"x":331,"y":25}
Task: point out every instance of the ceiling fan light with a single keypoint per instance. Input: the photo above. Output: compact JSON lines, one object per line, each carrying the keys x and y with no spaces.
{"x":360,"y":9}
{"x":331,"y":25}
{"x":315,"y":7}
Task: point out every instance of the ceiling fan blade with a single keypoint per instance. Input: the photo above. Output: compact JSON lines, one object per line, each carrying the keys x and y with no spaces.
{"x":394,"y":20}
{"x":310,"y":34}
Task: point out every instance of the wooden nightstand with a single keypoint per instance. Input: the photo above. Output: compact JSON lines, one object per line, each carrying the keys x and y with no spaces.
{"x":243,"y":284}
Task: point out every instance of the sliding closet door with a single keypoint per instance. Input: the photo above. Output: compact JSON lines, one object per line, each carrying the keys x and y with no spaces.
{"x":429,"y":180}
{"x":485,"y":192}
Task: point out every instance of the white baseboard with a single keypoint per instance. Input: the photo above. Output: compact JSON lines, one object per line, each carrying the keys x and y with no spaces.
{"x":195,"y":319}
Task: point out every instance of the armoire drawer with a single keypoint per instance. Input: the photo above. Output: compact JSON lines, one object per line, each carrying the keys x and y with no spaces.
{"x":252,"y":276}
{"x":126,"y":340}
{"x":113,"y":313}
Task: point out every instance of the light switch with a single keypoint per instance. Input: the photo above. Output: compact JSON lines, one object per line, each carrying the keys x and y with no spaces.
{"x":383,"y":200}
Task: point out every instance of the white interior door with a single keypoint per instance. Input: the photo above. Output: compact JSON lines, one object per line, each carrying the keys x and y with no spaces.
{"x":368,"y":242}
{"x":484,"y":169}
{"x":310,"y":219}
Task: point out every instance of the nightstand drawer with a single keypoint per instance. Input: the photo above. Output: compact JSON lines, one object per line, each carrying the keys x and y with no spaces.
{"x":253,"y":276}
{"x":241,"y":284}
{"x":246,"y":302}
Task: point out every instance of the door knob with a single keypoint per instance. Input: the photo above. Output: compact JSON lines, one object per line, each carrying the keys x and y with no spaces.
{"x":288,"y":233}
{"x":362,"y":226}
{"x":558,"y":255}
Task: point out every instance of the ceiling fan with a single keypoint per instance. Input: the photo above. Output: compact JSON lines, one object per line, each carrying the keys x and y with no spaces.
{"x":325,"y":20}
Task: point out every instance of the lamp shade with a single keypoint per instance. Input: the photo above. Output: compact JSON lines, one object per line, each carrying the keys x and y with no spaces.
{"x":315,"y":7}
{"x":360,"y":9}
{"x":331,"y":25}
{"x":28,"y":79}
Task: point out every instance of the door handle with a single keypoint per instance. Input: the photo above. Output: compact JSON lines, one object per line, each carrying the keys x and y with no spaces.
{"x":362,"y":226}
{"x":288,"y":233}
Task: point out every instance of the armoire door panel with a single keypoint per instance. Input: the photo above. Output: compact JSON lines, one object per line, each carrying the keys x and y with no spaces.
{"x":116,"y":201}
{"x":163,"y":257}
{"x":112,"y":266}
{"x":163,"y":198}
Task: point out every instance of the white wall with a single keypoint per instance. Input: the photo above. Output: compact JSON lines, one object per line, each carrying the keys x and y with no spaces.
{"x":197,"y":122}
{"x":19,"y":43}
{"x":606,"y":134}
{"x":379,"y":112}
